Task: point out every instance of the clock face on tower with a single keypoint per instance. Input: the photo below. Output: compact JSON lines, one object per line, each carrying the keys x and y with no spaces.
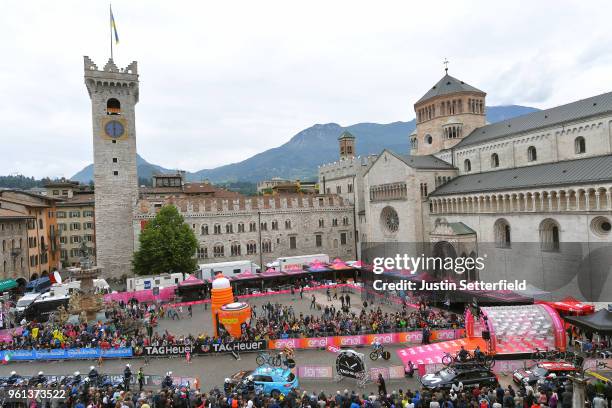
{"x":114,"y":129}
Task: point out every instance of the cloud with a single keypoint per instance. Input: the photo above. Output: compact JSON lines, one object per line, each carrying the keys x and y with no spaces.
{"x":222,"y":81}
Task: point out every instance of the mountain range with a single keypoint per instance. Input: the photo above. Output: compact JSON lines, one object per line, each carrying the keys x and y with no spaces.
{"x":299,"y":157}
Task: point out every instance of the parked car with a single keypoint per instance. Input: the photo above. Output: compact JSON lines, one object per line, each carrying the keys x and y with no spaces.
{"x":544,"y":370}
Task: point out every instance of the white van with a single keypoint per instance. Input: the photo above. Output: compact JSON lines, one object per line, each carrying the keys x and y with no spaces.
{"x":228,"y":269}
{"x":25,"y":301}
{"x":149,"y":282}
{"x":297,"y":262}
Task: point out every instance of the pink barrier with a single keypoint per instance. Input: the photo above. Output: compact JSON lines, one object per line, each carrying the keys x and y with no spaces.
{"x":165,"y":295}
{"x":315,"y":372}
{"x":412,"y":337}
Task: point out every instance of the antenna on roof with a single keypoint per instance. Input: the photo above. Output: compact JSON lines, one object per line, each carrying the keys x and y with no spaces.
{"x":445,"y":65}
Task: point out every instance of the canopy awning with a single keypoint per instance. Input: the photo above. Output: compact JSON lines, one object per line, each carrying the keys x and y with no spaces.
{"x":318,"y":267}
{"x":271,"y":273}
{"x":7,"y":284}
{"x":246,"y":276}
{"x":599,"y":322}
{"x":569,"y":304}
{"x":191,"y":281}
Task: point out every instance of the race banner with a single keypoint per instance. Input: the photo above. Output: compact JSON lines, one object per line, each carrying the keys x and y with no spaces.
{"x":160,"y":351}
{"x":236,"y":347}
{"x":67,"y":354}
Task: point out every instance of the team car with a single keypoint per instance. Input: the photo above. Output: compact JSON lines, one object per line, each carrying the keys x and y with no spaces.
{"x":469,"y":377}
{"x":269,"y":380}
{"x":559,"y":370}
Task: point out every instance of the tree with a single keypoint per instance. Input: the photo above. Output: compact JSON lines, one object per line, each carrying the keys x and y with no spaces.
{"x":167,"y":244}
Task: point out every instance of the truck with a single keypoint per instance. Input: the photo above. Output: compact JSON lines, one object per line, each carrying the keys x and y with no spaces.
{"x":228,"y":269}
{"x":297,"y":262}
{"x":164,"y":280}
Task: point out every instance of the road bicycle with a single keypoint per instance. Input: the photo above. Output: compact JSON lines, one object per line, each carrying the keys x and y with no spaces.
{"x":378,"y":353}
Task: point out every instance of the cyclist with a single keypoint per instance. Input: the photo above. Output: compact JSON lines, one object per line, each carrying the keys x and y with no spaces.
{"x":40,"y":378}
{"x":13,"y":378}
{"x":377,"y":346}
{"x":463,"y":354}
{"x":167,"y":383}
{"x":227,"y":386}
{"x":478,"y":354}
{"x":93,"y":375}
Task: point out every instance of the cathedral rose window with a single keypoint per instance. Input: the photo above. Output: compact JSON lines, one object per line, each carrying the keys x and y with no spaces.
{"x":390,"y":219}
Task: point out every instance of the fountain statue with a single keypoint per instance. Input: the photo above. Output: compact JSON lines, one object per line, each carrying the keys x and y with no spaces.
{"x":86,"y":302}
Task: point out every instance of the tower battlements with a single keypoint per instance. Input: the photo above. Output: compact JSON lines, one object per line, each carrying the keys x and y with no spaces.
{"x":111,"y":77}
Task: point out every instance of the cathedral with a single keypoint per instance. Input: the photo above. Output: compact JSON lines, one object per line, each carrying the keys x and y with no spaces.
{"x":531,"y":194}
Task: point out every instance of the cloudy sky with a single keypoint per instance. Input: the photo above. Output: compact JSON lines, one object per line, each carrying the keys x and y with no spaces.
{"x":221,"y":81}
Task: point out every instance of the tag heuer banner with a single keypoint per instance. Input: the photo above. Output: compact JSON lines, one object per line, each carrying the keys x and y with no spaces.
{"x":236,"y":346}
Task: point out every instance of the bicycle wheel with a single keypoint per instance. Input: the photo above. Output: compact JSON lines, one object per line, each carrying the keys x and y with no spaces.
{"x":276,"y":360}
{"x":374,"y":356}
{"x":386,"y":355}
{"x":447,"y":359}
{"x":260,"y":359}
{"x":489,"y":362}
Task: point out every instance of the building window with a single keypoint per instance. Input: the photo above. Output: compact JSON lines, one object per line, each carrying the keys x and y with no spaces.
{"x":113,"y":107}
{"x":467,"y":165}
{"x":263,"y":226}
{"x":343,"y":238}
{"x":338,"y":189}
{"x":292,"y":243}
{"x":389,"y":219}
{"x":532,"y":154}
{"x":580,"y":145}
{"x":334,"y":222}
{"x":61,"y":214}
{"x":274,"y":225}
{"x":494,"y":160}
{"x":350,"y":188}
{"x":321,"y":223}
{"x":287,"y":224}
{"x":549,"y":235}
{"x":114,"y":160}
{"x":423,"y":189}
{"x":204,"y":230}
{"x":318,"y":240}
{"x":229,"y":228}
{"x":345,"y":221}
{"x":266,"y":246}
{"x":235,"y":248}
{"x":240,"y":227}
{"x":252,"y":226}
{"x":601,"y":226}
{"x":428,"y":139}
{"x":251,"y":248}
{"x":202,"y":252}
{"x":218,"y":251}
{"x":115,"y":173}
{"x":217,"y":229}
{"x":502,"y":233}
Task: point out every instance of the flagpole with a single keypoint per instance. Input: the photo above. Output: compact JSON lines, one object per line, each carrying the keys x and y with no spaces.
{"x":110,"y":25}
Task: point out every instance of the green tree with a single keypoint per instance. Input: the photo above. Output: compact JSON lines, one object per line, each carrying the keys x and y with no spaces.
{"x":167,"y":244}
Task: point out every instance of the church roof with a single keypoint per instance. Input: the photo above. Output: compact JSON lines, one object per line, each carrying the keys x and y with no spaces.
{"x":425,"y":162}
{"x":581,"y":171}
{"x":448,"y":85}
{"x":346,"y":135}
{"x":584,"y":108}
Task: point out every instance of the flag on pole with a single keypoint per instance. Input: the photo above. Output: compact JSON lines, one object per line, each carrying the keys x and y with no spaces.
{"x":114,"y":26}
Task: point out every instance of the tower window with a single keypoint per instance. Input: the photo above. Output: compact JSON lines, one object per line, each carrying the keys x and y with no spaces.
{"x":115,"y":173}
{"x":114,"y":160}
{"x":114,"y":141}
{"x":113,"y":107}
{"x":428,"y":139}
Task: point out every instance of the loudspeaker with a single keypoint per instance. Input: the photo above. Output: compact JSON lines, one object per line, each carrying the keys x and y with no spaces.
{"x":486,"y":335}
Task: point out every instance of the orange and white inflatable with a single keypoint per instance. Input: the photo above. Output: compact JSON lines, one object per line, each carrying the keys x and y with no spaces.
{"x":225,"y":313}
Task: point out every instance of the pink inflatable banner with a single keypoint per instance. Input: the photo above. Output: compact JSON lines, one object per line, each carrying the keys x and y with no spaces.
{"x":6,"y":335}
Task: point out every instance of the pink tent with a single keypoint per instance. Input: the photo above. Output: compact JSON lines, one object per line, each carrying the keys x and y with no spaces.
{"x":191,"y":280}
{"x":358,"y":264}
{"x":271,"y":273}
{"x":339,"y":265}
{"x":246,"y":276}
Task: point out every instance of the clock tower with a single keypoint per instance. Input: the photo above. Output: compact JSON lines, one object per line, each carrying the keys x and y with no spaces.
{"x":114,"y":94}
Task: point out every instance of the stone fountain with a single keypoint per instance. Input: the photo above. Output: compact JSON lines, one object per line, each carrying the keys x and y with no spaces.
{"x":86,"y":302}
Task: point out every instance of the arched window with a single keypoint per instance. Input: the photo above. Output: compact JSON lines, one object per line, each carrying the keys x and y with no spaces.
{"x":580,"y":145}
{"x":204,"y":229}
{"x":550,"y":235}
{"x":218,"y":250}
{"x":274,"y":225}
{"x":113,"y":107}
{"x":288,"y":224}
{"x":502,"y":233}
{"x":266,"y":246}
{"x":494,"y":160}
{"x":252,"y":226}
{"x":428,"y":139}
{"x":321,"y":223}
{"x":217,"y":229}
{"x":532,"y":154}
{"x":240,"y":227}
{"x":229,"y":228}
{"x":203,"y":253}
{"x":236,"y":249}
{"x":467,"y":166}
{"x":251,"y":248}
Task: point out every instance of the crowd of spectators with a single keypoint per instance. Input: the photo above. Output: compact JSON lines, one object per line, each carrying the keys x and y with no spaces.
{"x":133,"y":325}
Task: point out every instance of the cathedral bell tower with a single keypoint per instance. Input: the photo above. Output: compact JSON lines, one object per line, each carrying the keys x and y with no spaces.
{"x":447,"y":113}
{"x":114,"y":94}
